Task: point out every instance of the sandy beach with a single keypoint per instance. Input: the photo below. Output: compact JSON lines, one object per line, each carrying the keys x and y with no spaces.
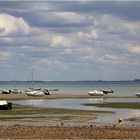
{"x":61,"y":125}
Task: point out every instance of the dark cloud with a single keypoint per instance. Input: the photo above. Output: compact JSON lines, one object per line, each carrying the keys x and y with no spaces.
{"x":41,"y":13}
{"x":124,"y":9}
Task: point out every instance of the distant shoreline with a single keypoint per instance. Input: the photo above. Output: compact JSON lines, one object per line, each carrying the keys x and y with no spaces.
{"x":81,"y":81}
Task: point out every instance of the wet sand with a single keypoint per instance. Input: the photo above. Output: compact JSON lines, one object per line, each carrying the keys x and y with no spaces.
{"x":53,"y":96}
{"x":62,"y":130}
{"x":57,"y":95}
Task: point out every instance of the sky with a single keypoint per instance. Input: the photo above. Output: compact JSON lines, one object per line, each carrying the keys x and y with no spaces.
{"x":70,"y":40}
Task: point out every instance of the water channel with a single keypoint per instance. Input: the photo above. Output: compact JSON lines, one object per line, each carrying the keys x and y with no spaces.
{"x":78,"y":104}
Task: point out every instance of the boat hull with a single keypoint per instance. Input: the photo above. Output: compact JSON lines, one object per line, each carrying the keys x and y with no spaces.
{"x":137,"y":94}
{"x":96,"y":93}
{"x":35,"y":93}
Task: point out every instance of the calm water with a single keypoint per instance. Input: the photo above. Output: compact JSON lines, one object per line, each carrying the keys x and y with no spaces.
{"x":120,"y":88}
{"x":77,"y":104}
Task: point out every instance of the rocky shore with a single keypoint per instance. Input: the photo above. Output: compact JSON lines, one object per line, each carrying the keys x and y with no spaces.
{"x":69,"y":132}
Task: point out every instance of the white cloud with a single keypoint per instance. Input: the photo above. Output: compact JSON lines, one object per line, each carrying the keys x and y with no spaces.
{"x":131,"y":27}
{"x":110,"y":57}
{"x":4,"y":55}
{"x":10,"y":25}
{"x":135,"y":49}
{"x":107,"y":58}
{"x":34,"y":48}
{"x":88,"y":35}
{"x":70,"y":17}
{"x":89,"y":58}
{"x":126,"y":30}
{"x":60,"y":41}
{"x":45,"y":61}
{"x":55,"y":64}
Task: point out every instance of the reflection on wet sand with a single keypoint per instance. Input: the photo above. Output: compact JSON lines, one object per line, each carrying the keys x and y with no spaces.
{"x":126,"y":114}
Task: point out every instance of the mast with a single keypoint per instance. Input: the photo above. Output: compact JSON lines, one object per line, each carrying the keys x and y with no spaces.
{"x":32,"y":72}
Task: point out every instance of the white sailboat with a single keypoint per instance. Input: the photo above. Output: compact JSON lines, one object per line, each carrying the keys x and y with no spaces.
{"x":96,"y":93}
{"x":99,"y":93}
{"x":34,"y":92}
{"x":137,"y":94}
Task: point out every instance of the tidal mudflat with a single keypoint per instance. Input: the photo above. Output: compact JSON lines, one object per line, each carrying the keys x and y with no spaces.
{"x":53,"y":122}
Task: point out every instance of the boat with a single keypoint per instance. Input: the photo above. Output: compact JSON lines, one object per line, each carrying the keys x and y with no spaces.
{"x":32,"y":91}
{"x":17,"y":91}
{"x":108,"y":91}
{"x":46,"y":92}
{"x":5,"y":105}
{"x":96,"y":93}
{"x":6,"y":91}
{"x":100,"y":93}
{"x":137,"y":94}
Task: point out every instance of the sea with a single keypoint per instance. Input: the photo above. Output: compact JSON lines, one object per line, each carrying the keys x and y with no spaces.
{"x":120,"y":88}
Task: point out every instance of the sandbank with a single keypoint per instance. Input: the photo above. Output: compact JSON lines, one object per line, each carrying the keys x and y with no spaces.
{"x":54,"y":96}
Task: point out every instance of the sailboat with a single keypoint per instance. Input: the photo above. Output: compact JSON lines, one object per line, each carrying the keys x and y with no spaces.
{"x":34,"y":92}
{"x":100,"y":93}
{"x":137,"y":94}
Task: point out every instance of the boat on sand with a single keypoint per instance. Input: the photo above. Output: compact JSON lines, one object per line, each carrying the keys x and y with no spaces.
{"x":137,"y":94}
{"x":5,"y":105}
{"x":99,"y":93}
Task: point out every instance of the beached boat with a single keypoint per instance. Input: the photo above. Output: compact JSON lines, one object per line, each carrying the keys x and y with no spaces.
{"x":137,"y":94}
{"x":6,"y":91}
{"x":100,"y":93}
{"x":108,"y":91}
{"x":46,"y":92}
{"x":38,"y":92}
{"x":96,"y":93}
{"x":32,"y":91}
{"x":5,"y":105}
{"x":16,"y":91}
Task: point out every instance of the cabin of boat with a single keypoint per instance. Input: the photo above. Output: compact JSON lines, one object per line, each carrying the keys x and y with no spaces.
{"x":5,"y":105}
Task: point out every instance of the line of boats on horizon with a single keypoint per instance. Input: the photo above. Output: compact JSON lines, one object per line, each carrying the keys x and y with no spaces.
{"x":105,"y":92}
{"x":6,"y":105}
{"x":42,"y":92}
{"x":29,"y":91}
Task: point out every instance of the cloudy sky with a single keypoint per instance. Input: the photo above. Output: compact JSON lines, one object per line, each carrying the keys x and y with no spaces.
{"x":70,"y":40}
